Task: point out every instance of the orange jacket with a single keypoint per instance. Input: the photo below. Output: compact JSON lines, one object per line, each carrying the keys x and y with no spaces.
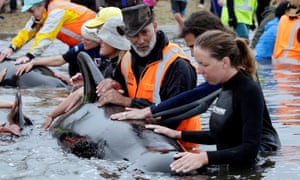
{"x":287,"y":45}
{"x":74,"y":17}
{"x":149,"y":85}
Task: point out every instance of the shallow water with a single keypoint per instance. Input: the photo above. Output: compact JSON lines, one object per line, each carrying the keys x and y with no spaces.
{"x":36,"y":155}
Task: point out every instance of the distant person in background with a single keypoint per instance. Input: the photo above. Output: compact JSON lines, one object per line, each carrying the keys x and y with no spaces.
{"x":261,"y":7}
{"x":216,"y":8}
{"x":150,"y":3}
{"x":121,"y":3}
{"x":1,"y":6}
{"x":265,"y":45}
{"x":268,"y":15}
{"x":239,"y":15}
{"x":287,"y":44}
{"x":49,"y":20}
{"x":178,"y":8}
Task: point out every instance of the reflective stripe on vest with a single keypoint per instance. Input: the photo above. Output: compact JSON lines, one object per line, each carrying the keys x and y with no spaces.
{"x":126,"y":60}
{"x":244,"y":7}
{"x":70,"y":33}
{"x":75,"y":7}
{"x":284,"y":58}
{"x":159,"y":72}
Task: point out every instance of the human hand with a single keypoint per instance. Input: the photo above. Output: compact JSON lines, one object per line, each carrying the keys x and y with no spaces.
{"x":22,"y":60}
{"x":113,"y":96}
{"x":132,"y":113}
{"x":24,"y":68}
{"x":221,"y":3}
{"x":165,"y":131}
{"x":3,"y":73}
{"x":63,"y":78}
{"x":13,"y":129}
{"x":77,"y":80}
{"x":5,"y":53}
{"x":186,"y":161}
{"x":107,"y":84}
{"x":47,"y":122}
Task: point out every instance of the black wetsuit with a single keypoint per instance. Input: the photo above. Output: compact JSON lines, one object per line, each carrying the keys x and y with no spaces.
{"x":238,"y":124}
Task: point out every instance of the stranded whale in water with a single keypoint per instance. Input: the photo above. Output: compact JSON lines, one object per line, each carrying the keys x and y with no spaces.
{"x":88,"y":131}
{"x":38,"y":76}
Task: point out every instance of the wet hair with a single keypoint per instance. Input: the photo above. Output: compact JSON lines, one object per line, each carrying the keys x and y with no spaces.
{"x":200,"y":21}
{"x":222,"y":44}
{"x":280,"y":9}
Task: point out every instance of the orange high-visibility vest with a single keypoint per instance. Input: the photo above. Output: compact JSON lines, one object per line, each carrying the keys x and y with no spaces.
{"x":70,"y":33}
{"x":287,"y":46}
{"x":151,"y":82}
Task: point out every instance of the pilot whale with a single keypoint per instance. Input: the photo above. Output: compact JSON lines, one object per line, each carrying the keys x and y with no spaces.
{"x":88,"y":131}
{"x":38,"y":76}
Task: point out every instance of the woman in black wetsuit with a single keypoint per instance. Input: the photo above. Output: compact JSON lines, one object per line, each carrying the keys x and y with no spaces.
{"x":237,"y":124}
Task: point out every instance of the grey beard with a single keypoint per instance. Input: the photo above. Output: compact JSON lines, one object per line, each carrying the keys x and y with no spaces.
{"x":151,"y":46}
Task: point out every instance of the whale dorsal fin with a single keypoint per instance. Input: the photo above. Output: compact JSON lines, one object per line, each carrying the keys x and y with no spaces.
{"x":16,"y":115}
{"x":91,"y":77}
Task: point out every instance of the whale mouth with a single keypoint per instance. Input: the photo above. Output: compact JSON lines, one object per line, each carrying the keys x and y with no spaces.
{"x":82,"y":146}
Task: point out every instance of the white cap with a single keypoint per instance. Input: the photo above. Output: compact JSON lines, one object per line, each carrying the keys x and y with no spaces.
{"x":110,"y":35}
{"x":89,"y":33}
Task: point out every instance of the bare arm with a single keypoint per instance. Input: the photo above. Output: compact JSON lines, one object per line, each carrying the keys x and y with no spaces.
{"x":47,"y":61}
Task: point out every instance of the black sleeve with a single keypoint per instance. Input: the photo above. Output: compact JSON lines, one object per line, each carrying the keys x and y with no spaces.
{"x":200,"y":137}
{"x":184,"y":98}
{"x":69,"y":56}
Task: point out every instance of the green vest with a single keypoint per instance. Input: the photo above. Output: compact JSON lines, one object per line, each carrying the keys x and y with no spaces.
{"x":244,"y":11}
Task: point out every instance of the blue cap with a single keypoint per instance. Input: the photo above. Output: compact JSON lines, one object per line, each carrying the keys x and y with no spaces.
{"x":29,"y":3}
